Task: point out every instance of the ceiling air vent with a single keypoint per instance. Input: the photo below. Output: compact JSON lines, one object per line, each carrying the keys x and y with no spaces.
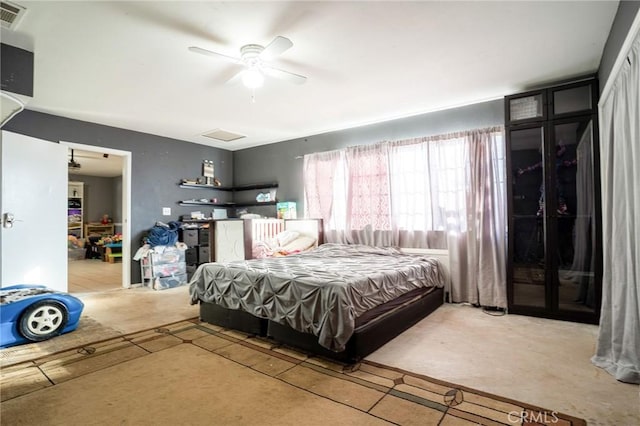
{"x":223,"y":135}
{"x":11,"y":14}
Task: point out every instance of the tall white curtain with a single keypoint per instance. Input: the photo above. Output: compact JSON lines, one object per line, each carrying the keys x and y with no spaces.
{"x":486,"y":236}
{"x":325,"y":193}
{"x":440,"y":192}
{"x":453,"y":186}
{"x":618,"y":349}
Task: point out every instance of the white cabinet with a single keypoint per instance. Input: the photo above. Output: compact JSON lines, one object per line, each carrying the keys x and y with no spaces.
{"x":75,"y":209}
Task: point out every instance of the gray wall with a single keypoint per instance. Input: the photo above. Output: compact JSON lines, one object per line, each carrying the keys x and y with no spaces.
{"x":627,"y":11}
{"x":117,"y":202}
{"x":278,"y":162}
{"x":158,"y":164}
{"x":99,"y":196}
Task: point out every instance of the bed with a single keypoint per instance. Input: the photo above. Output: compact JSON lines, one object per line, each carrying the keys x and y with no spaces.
{"x":339,"y":301}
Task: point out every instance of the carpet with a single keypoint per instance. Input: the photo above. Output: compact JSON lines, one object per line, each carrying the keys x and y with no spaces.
{"x":195,"y":373}
{"x":87,"y":332}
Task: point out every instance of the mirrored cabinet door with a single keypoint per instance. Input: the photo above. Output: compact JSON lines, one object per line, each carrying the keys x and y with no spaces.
{"x":528,"y":248}
{"x":574,"y":229}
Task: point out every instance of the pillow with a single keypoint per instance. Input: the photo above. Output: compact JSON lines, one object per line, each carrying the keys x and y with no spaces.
{"x":299,"y":244}
{"x":285,"y":237}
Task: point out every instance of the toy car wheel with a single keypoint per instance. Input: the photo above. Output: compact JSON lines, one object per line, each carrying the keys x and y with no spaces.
{"x":43,"y":320}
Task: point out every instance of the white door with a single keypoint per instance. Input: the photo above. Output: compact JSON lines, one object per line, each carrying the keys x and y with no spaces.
{"x":33,"y":236}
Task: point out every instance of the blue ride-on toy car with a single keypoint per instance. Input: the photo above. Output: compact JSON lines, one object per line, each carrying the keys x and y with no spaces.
{"x":33,"y":313}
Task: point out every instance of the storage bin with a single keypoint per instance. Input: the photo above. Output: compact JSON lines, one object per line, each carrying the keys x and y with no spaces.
{"x":169,"y":269}
{"x":191,"y":269}
{"x":163,"y":268}
{"x":203,"y":254}
{"x":191,"y":256}
{"x":162,"y":283}
{"x":168,"y":255}
{"x":203,"y":237}
{"x":190,"y":237}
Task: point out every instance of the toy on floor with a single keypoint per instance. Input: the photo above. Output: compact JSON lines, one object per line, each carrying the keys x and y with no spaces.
{"x":33,"y":313}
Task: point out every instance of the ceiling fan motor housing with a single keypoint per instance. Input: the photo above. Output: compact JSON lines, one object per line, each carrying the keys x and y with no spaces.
{"x":250,"y":55}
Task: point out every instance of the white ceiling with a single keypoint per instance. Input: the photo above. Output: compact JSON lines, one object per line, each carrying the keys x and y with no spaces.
{"x":126,"y":64}
{"x":95,"y":163}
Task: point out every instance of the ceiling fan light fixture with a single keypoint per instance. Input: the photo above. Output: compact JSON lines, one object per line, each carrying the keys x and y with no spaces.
{"x":254,"y":58}
{"x":252,"y":78}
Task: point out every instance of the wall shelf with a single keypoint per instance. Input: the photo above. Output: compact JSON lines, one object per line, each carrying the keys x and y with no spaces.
{"x":255,"y":186}
{"x":197,"y":203}
{"x":202,"y":186}
{"x":205,"y":203}
{"x":230,"y":188}
{"x":233,"y":189}
{"x":264,"y":203}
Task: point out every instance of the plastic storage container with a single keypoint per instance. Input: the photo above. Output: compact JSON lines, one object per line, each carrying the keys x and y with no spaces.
{"x":164,"y":267}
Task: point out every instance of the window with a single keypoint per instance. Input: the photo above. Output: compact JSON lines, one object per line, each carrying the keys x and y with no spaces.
{"x":422,"y":185}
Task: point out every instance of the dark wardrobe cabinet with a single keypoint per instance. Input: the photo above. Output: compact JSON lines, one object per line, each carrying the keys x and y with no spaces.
{"x":554,"y":267}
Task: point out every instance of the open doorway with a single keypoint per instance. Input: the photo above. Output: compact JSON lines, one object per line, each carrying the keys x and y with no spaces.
{"x":98,"y":214}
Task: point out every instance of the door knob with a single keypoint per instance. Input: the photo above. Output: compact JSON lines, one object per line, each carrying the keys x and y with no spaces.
{"x":7,"y":220}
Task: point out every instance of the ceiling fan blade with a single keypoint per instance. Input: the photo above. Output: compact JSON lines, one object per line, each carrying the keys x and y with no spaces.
{"x":284,"y":75}
{"x":235,"y":79}
{"x":275,"y":48}
{"x":215,"y":54}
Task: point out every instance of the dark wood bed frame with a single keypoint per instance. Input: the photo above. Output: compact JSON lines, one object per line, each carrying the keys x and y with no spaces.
{"x":364,"y":341}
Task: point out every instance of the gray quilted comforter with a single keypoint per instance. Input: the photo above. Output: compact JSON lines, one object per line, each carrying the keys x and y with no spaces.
{"x":321,"y":291}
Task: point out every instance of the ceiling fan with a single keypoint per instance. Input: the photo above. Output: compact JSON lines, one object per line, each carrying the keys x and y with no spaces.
{"x":254,"y":58}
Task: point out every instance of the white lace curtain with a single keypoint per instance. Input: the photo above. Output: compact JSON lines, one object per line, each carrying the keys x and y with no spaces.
{"x":439,"y":192}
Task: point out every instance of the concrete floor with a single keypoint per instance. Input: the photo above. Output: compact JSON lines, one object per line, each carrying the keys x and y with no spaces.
{"x":538,"y":361}
{"x":99,"y":285}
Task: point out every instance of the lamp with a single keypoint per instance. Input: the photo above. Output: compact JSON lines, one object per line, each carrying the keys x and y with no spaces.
{"x":10,"y":106}
{"x":252,"y":78}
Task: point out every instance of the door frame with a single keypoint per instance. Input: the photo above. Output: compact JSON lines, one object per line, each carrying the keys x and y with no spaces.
{"x":126,"y":202}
